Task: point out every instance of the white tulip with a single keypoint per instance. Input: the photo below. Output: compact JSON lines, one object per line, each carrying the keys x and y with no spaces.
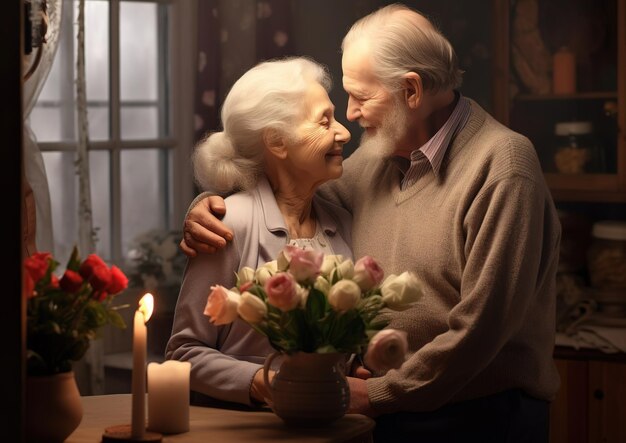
{"x":399,"y":291}
{"x":329,"y":263}
{"x":245,"y":275}
{"x":344,"y":295}
{"x":251,"y":308}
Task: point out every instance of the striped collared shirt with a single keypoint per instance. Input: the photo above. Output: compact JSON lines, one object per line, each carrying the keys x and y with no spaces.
{"x":430,"y":155}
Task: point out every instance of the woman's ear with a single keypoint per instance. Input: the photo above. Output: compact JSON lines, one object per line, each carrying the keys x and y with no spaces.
{"x":274,"y":141}
{"x":413,"y":89}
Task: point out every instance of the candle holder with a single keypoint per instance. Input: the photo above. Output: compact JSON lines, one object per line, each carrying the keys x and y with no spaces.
{"x":123,"y":433}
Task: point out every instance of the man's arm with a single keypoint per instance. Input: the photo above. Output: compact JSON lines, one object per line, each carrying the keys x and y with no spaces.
{"x":203,"y":231}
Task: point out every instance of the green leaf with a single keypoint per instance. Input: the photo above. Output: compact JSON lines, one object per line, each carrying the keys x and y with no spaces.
{"x":74,"y":261}
{"x":116,"y":320}
{"x":315,"y":305}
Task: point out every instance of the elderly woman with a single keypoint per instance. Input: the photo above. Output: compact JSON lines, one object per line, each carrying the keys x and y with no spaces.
{"x":280,"y":142}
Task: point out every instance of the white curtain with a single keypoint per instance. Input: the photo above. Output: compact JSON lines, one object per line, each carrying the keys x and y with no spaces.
{"x":33,"y":160}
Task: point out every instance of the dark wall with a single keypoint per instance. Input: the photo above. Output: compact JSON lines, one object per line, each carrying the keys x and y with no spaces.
{"x":319,"y":27}
{"x":12,"y":319}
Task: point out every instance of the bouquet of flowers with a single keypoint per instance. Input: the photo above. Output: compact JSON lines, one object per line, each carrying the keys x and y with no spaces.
{"x":156,"y":260}
{"x":64,"y":314}
{"x":305,"y":301}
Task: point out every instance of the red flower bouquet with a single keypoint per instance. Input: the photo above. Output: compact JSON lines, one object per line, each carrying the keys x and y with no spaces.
{"x":64,"y":314}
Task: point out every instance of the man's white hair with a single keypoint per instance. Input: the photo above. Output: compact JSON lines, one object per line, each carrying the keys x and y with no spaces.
{"x":267,"y":97}
{"x":402,"y":40}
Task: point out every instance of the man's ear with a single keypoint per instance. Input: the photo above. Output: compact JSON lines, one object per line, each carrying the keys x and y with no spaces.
{"x":274,"y":141}
{"x":413,"y":89}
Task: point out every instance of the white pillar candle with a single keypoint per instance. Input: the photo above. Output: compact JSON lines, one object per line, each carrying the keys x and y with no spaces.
{"x":140,"y":333}
{"x":168,"y":396}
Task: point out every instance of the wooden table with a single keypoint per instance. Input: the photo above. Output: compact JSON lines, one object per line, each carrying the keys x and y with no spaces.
{"x":220,"y":425}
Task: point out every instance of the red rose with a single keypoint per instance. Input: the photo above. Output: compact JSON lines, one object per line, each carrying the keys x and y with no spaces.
{"x":29,"y":285}
{"x":71,"y":281}
{"x":88,"y":266}
{"x":119,"y":282}
{"x":100,"y":278}
{"x":100,"y":295}
{"x":54,"y":282}
{"x":37,"y":265}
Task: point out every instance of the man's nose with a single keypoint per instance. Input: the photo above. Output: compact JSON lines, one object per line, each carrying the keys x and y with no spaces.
{"x":354,"y":111}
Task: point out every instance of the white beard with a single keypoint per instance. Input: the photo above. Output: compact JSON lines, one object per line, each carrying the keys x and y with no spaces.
{"x":384,"y":141}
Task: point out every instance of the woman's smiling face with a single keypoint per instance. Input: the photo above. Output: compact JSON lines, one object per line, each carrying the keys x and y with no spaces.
{"x":316,"y":151}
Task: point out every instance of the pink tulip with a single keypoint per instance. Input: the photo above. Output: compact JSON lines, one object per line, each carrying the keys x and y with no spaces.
{"x":221,"y":305}
{"x":281,"y":291}
{"x":304,"y":264}
{"x":386,"y":350}
{"x":367,"y":273}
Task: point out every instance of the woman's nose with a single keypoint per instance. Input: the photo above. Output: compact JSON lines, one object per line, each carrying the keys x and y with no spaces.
{"x":342,"y":135}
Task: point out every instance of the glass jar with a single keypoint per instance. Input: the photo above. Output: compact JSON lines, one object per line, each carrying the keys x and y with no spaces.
{"x":607,"y":256}
{"x":576,"y":148}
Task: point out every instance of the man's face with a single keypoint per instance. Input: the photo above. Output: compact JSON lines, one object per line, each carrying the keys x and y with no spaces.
{"x":379,"y":111}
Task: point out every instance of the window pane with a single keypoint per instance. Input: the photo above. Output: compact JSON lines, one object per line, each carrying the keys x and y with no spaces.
{"x":54,"y":115}
{"x":97,"y":68}
{"x":139,"y":122}
{"x":63,"y":184}
{"x":100,"y":177}
{"x":63,"y":198}
{"x":145,"y":191}
{"x":143,"y":70}
{"x":138,"y":51}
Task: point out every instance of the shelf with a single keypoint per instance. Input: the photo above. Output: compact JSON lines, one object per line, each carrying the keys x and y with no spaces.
{"x":578,"y":96}
{"x":585,"y":187}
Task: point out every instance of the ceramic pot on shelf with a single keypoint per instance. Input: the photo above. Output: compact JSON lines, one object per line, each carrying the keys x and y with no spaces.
{"x":53,"y":407}
{"x":309,"y":389}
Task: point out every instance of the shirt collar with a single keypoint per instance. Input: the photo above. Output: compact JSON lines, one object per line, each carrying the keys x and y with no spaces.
{"x":274,"y":220}
{"x":435,"y":148}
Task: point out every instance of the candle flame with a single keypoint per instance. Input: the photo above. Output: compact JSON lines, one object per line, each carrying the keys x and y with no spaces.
{"x":146,"y":306}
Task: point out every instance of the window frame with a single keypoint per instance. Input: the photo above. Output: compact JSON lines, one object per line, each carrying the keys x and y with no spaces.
{"x":176,"y":72}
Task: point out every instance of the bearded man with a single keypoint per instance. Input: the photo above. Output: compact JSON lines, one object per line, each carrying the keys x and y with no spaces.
{"x":441,"y":188}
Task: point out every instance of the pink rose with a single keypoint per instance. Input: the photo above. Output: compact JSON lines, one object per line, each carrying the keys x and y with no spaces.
{"x":367,"y":273}
{"x":386,"y":350}
{"x":281,"y":291}
{"x":221,"y":305}
{"x":304,"y":264}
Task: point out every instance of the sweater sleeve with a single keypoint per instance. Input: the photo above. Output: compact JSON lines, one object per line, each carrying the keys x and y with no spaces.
{"x":195,"y":339}
{"x":510,"y":249}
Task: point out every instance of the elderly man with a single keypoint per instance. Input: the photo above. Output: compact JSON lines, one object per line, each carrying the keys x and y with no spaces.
{"x":441,"y":188}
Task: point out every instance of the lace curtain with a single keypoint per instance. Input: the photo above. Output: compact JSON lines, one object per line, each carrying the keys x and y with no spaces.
{"x":35,"y":171}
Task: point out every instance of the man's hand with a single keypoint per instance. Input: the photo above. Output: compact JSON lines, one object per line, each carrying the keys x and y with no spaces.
{"x":359,"y":400}
{"x":202,"y":230}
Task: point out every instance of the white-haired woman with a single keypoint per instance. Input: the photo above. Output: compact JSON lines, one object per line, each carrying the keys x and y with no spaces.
{"x":280,"y":142}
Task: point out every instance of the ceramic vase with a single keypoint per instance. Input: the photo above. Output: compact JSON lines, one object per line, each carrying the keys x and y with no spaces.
{"x":53,"y":407}
{"x":309,"y":389}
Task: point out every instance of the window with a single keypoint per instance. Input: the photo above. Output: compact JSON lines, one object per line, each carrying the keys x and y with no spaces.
{"x":136,"y":62}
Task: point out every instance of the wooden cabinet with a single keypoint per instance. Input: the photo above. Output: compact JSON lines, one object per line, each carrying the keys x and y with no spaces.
{"x":590,"y":406}
{"x":527,"y":36}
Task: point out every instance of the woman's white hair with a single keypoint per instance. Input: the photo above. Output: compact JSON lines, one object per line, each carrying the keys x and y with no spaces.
{"x":267,"y":97}
{"x":402,"y":40}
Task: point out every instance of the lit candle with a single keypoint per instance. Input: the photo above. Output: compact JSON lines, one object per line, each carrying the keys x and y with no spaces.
{"x":168,"y":396}
{"x":142,"y":315}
